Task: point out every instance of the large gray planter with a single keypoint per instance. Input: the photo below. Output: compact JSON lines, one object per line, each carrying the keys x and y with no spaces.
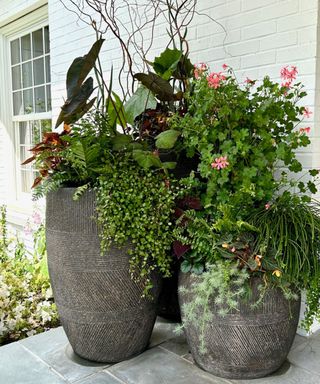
{"x":248,"y":343}
{"x":100,"y":306}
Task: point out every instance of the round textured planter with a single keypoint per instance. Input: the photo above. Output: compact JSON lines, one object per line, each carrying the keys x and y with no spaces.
{"x":100,"y":306}
{"x":246,"y":343}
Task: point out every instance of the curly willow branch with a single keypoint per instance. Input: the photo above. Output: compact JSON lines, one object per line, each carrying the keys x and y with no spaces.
{"x":133,"y":25}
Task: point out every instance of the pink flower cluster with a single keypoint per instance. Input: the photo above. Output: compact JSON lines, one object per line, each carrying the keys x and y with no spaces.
{"x":307,"y":113}
{"x":288,"y":74}
{"x":214,"y":79}
{"x":220,"y":163}
{"x":305,"y":130}
{"x":199,"y":69}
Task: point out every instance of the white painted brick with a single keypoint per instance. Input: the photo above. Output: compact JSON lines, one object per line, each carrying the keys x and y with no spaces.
{"x":293,"y":54}
{"x":308,"y":4}
{"x":307,"y":35}
{"x":243,"y":48}
{"x":266,"y":28}
{"x":297,"y":21}
{"x":259,"y":59}
{"x":248,"y":5}
{"x":226,"y":10}
{"x":279,"y":40}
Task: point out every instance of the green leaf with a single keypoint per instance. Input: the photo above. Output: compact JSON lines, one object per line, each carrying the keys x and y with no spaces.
{"x":169,"y":164}
{"x":116,"y":111}
{"x":295,"y":166}
{"x":314,"y":172}
{"x":185,"y":266}
{"x":146,"y":159}
{"x":160,"y":87}
{"x":80,"y":68}
{"x":197,"y":268}
{"x":141,"y":100}
{"x":167,"y":62}
{"x":312,"y":187}
{"x":74,"y":108}
{"x":120,"y":142}
{"x":167,"y":139}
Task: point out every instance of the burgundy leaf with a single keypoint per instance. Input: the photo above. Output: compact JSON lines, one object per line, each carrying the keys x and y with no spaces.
{"x":180,"y":249}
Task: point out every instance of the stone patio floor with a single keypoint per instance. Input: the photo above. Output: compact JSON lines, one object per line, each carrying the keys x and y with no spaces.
{"x":48,"y":359}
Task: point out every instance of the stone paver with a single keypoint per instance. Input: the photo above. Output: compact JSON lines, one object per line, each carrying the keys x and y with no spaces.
{"x":160,"y":366}
{"x":48,"y":359}
{"x":19,"y":366}
{"x":53,"y":348}
{"x":307,"y":354}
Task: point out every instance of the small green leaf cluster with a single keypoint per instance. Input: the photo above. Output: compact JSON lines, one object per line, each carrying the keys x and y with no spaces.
{"x":134,"y":206}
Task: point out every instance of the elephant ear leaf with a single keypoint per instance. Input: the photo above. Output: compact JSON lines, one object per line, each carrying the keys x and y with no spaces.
{"x":78,"y":89}
{"x":160,"y":87}
{"x":81,"y":67}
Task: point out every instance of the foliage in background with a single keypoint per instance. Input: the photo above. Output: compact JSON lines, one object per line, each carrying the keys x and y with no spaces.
{"x":26,"y":302}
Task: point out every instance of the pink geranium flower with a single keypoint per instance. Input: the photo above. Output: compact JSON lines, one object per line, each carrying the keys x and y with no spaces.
{"x":225,"y":67}
{"x":199,"y":69}
{"x":214,"y":79}
{"x":289,"y":74}
{"x":305,"y":130}
{"x":307,"y":113}
{"x":220,"y":163}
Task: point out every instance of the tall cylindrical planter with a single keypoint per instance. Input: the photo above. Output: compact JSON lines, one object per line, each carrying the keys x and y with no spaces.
{"x":101,"y":308}
{"x":248,"y":342}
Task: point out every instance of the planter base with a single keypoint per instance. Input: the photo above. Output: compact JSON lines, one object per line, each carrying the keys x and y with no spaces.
{"x":248,"y":343}
{"x":100,"y":307}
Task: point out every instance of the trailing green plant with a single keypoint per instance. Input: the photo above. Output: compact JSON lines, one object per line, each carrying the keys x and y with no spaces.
{"x":26,"y":302}
{"x":135,"y":206}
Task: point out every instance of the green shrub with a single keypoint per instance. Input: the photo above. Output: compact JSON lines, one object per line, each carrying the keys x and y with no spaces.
{"x":26,"y":302}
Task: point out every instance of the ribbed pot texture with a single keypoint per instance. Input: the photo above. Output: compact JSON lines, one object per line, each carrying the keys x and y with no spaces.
{"x":247,"y":343}
{"x":100,"y":306}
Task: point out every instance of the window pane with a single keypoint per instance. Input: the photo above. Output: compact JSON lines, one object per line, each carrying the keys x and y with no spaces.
{"x":46,"y":126}
{"x":48,"y":98}
{"x":16,"y":77}
{"x":15,"y":51}
{"x":28,"y":101}
{"x":36,"y":131}
{"x":24,"y":133}
{"x":27,"y":177}
{"x":27,"y":74}
{"x":37,"y":43}
{"x":24,"y":155}
{"x":46,"y":39}
{"x":38,"y":71}
{"x":48,"y":76}
{"x":26,"y":47}
{"x":17,"y":103}
{"x":40,"y":102}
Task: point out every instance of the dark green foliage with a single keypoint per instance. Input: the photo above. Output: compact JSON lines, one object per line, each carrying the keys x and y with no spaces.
{"x":78,"y":89}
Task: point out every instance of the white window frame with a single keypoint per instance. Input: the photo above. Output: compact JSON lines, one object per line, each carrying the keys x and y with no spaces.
{"x":16,"y":200}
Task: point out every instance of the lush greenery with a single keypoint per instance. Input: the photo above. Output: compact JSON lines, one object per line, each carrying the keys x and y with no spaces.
{"x":26,"y":302}
{"x":136,"y":206}
{"x":249,"y":217}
